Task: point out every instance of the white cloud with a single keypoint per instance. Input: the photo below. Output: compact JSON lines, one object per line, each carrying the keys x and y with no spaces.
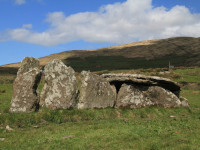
{"x":20,"y":2}
{"x":129,"y":21}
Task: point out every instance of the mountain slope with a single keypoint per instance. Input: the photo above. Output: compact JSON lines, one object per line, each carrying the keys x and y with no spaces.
{"x":180,"y":51}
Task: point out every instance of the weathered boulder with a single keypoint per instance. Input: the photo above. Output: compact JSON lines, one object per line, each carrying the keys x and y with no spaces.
{"x":60,"y":90}
{"x":162,"y":97}
{"x":95,"y":92}
{"x":130,"y":96}
{"x":25,"y":95}
{"x":134,"y":91}
{"x":136,"y":96}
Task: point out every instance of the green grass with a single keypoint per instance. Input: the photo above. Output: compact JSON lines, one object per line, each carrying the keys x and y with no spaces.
{"x":143,"y":129}
{"x":4,"y":79}
{"x":5,"y":97}
{"x":188,"y":75}
{"x":7,"y":75}
{"x":162,"y":133}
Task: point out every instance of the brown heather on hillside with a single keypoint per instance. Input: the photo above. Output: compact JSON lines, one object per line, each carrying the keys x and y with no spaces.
{"x":181,"y":51}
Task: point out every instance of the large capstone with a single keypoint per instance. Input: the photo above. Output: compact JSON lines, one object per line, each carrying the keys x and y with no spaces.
{"x":60,"y":90}
{"x":134,"y":91}
{"x":138,"y":79}
{"x":25,"y":95}
{"x":95,"y":92}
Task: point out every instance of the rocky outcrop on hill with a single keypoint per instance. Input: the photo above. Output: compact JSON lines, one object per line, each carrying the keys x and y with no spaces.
{"x":25,"y":95}
{"x":95,"y":92}
{"x":60,"y":89}
{"x":134,"y":91}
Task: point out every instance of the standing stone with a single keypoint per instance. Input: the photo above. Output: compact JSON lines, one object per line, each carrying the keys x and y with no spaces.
{"x":25,"y":95}
{"x":95,"y":92}
{"x":60,"y":89}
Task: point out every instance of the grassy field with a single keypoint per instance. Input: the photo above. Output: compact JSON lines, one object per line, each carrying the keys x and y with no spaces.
{"x":152,"y":128}
{"x":188,"y":75}
{"x":7,"y":75}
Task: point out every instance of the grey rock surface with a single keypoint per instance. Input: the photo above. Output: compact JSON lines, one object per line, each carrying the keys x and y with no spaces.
{"x":144,"y":80}
{"x":130,"y":96}
{"x":136,"y":96}
{"x":60,"y":89}
{"x":25,"y":95}
{"x":28,"y":64}
{"x":184,"y":102}
{"x":135,"y":90}
{"x":162,"y":97}
{"x":95,"y":92}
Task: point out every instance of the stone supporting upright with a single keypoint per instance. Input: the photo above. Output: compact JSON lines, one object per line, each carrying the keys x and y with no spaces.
{"x":60,"y":89}
{"x":25,"y":95}
{"x":95,"y":92}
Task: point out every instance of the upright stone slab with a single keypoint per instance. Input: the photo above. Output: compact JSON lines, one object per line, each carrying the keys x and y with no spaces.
{"x":25,"y":95}
{"x":60,"y":89}
{"x":95,"y":92}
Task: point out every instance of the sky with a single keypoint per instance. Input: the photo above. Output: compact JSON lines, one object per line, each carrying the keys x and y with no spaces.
{"x":38,"y":28}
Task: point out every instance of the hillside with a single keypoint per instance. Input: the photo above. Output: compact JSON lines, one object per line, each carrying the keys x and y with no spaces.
{"x":180,"y":51}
